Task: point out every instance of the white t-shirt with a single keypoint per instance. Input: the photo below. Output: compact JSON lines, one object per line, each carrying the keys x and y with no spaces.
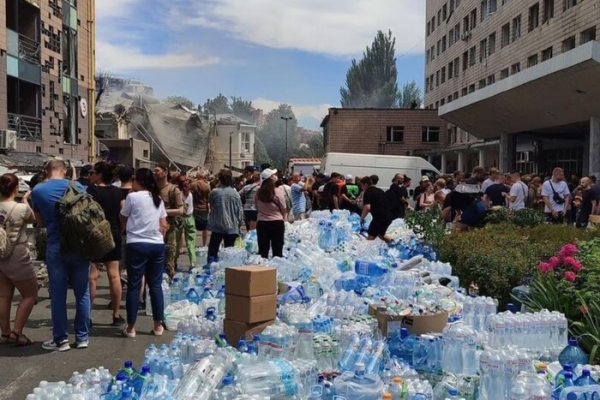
{"x":143,"y":218}
{"x":561,"y":188}
{"x":520,"y":191}
{"x":189,"y":200}
{"x":486,"y":184}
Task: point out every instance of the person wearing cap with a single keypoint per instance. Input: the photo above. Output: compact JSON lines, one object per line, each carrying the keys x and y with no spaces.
{"x":348,"y":195}
{"x":272,"y":212}
{"x":420,"y":189}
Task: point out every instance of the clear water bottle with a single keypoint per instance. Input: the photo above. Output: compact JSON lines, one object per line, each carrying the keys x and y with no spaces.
{"x":175,"y":290}
{"x":572,"y":355}
{"x":193,"y":296}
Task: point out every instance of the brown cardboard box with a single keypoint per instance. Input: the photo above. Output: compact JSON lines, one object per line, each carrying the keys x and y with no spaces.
{"x":234,"y":330}
{"x":250,"y":309}
{"x":416,"y":324}
{"x":250,"y":281}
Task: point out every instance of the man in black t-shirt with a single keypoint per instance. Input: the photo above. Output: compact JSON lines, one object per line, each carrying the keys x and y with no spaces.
{"x":374,"y":202}
{"x":494,"y":194}
{"x":397,"y":196}
{"x":330,"y":197}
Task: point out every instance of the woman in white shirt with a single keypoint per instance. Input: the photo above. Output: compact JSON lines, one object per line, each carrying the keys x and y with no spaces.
{"x":187,"y":233}
{"x":145,"y":219}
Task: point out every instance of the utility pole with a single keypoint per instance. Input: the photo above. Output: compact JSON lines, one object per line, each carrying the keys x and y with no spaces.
{"x":286,"y":140}
{"x":230,"y":145}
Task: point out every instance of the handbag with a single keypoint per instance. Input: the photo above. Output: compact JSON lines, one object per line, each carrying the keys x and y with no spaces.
{"x":555,"y":196}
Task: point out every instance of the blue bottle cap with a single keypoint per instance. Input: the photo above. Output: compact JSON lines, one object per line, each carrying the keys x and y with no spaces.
{"x":128,"y":364}
{"x":585,"y":372}
{"x":145,"y":369}
{"x":452,"y":391}
{"x":228,"y":380}
{"x":572,"y":341}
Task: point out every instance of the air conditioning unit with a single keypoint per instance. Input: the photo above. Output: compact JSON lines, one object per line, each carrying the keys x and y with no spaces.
{"x":242,"y":155}
{"x":8,"y":139}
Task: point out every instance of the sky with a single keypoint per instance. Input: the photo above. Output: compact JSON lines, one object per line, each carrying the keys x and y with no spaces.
{"x":267,"y":51}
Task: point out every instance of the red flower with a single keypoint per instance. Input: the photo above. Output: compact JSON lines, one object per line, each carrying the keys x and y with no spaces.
{"x":574,"y":263}
{"x":545,"y":267}
{"x":554,"y":262}
{"x":568,"y":250}
{"x":570,"y":276}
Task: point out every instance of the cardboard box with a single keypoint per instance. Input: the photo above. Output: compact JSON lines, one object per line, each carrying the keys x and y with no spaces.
{"x":250,"y":281}
{"x":234,"y":330}
{"x":416,"y":324}
{"x":250,"y":309}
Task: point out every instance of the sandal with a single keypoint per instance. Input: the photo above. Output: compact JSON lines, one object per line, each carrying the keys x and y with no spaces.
{"x":23,"y":341}
{"x":5,"y":339}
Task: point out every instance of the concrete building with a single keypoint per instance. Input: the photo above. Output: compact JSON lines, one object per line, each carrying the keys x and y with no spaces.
{"x":45,"y":76}
{"x":234,"y":140}
{"x":519,"y":76}
{"x":388,"y":131}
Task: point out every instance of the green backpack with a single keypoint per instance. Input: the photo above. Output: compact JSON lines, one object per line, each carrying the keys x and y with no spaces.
{"x":83,"y":227}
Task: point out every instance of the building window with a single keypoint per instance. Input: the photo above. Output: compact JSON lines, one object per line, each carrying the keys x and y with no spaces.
{"x":450,"y":70}
{"x":482,"y":83}
{"x":504,"y":73}
{"x":588,"y":35}
{"x":451,"y":5}
{"x":493,"y":6}
{"x":484,"y":10}
{"x":466,"y":25}
{"x":69,"y":52}
{"x":570,"y":4}
{"x":439,"y":20}
{"x":548,"y":10}
{"x":246,"y":145}
{"x":472,"y":55}
{"x":456,"y":66}
{"x":442,"y":102}
{"x":433,"y":24}
{"x":450,"y":37}
{"x":395,"y":134}
{"x":492,"y":44}
{"x":432,"y":52}
{"x":515,"y":68}
{"x":431,"y":82}
{"x":430,"y":134}
{"x":427,"y":57}
{"x":532,"y":61}
{"x":443,"y":74}
{"x":464,"y":92}
{"x":547,"y":54}
{"x":491,"y":79}
{"x":471,"y":88}
{"x":437,"y":78}
{"x":428,"y":28}
{"x":445,"y":12}
{"x":70,"y":119}
{"x":482,"y":50}
{"x":145,"y":154}
{"x":449,"y":99}
{"x":455,"y":96}
{"x":568,"y":44}
{"x":38,"y":149}
{"x":438,"y":47}
{"x":457,"y":33}
{"x":534,"y":16}
{"x":473,"y":18}
{"x":505,"y":40}
{"x":516,"y":28}
{"x":444,"y":43}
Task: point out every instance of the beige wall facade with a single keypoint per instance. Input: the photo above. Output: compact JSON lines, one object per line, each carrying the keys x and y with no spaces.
{"x":55,"y":16}
{"x":504,"y":38}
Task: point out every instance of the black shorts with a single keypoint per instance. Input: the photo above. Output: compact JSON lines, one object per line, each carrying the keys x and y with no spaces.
{"x":250,"y":216}
{"x":116,"y":253}
{"x":378,"y":227}
{"x":201,"y":221}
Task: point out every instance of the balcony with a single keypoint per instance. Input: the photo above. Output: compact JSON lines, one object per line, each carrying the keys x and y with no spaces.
{"x":23,"y":48}
{"x":27,"y":127}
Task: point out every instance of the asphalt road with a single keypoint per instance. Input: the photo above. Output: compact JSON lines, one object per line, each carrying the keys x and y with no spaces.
{"x":21,"y":369}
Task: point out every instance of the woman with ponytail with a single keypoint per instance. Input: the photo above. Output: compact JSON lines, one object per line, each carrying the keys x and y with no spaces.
{"x":145,"y":219}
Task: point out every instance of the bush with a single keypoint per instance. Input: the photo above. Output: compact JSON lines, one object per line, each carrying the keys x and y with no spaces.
{"x":500,"y":256}
{"x":526,"y":217}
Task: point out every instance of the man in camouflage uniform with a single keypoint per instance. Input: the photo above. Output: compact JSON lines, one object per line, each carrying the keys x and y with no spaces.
{"x":171,"y":196}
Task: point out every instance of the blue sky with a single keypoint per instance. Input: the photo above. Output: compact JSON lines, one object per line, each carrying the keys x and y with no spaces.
{"x":267,"y":51}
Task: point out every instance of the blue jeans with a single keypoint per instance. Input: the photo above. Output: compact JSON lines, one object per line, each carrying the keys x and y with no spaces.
{"x":145,"y":259}
{"x":65,"y":269}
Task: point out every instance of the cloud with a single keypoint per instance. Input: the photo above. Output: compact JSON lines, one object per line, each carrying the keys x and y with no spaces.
{"x":124,"y":44}
{"x":303,"y":112}
{"x":333,"y":27}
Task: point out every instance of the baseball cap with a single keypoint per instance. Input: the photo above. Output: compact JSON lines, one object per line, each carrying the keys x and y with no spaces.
{"x":349,"y":177}
{"x":424,"y":178}
{"x":267,"y":173}
{"x":249,"y":168}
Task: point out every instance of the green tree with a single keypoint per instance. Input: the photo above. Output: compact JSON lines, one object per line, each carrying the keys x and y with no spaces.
{"x":410,"y":93}
{"x":243,"y":109}
{"x":272,"y":134}
{"x":260,"y":153}
{"x":219,"y":105}
{"x":371,"y":82}
{"x":184,"y":101}
{"x":317,"y":146}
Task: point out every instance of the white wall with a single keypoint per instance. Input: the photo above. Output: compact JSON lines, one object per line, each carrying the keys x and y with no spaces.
{"x":221,"y":145}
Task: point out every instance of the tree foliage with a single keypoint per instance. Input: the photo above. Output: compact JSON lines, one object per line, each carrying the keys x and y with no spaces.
{"x":272,"y":134}
{"x":243,"y":109}
{"x":184,"y":101}
{"x":410,"y":93}
{"x":260,"y":153}
{"x":371,"y":82}
{"x":218,"y":105}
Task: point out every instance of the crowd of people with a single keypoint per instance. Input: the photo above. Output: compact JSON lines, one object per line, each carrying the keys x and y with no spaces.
{"x":155,"y":216}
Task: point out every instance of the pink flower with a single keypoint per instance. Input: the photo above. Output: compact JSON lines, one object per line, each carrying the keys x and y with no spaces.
{"x":545,"y":267}
{"x":568,"y":250}
{"x":574,"y":263}
{"x":570,"y":276}
{"x":554,"y":261}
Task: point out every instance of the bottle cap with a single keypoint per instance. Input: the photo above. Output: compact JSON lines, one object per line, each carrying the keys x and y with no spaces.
{"x":568,"y":375}
{"x":128,"y":364}
{"x":145,"y":369}
{"x":572,"y":341}
{"x":585,"y":372}
{"x":398,"y":380}
{"x":452,"y":391}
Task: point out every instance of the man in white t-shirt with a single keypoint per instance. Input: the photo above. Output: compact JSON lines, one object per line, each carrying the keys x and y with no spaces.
{"x":556,"y":196}
{"x":518,"y":192}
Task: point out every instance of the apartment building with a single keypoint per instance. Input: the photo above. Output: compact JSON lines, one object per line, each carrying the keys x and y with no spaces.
{"x":388,"y":131}
{"x":45,"y":77}
{"x":517,"y":77}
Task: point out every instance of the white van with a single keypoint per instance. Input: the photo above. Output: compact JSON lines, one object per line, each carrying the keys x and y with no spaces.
{"x":386,"y":167}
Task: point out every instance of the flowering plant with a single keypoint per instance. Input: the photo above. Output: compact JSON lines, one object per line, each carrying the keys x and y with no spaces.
{"x":565,"y":265}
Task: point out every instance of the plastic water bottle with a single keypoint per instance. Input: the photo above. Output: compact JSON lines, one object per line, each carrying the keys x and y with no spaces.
{"x":567,"y":382}
{"x":193,"y":296}
{"x":221,"y":297}
{"x":585,"y":379}
{"x":572,"y":355}
{"x":175,"y":290}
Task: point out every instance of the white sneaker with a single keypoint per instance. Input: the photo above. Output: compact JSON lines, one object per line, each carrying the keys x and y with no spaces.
{"x":130,"y":335}
{"x":50,"y":345}
{"x":82,"y":345}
